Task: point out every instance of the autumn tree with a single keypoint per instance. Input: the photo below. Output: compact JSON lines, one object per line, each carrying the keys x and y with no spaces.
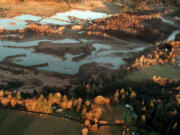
{"x":5,"y":101}
{"x":87,"y":103}
{"x":1,"y":93}
{"x":78,"y":108}
{"x":13,"y":102}
{"x":88,"y":88}
{"x":58,"y":96}
{"x":18,"y":95}
{"x":84,"y":110}
{"x":84,"y":131}
{"x":132,"y":95}
{"x":99,"y":100}
{"x":64,"y":99}
{"x":116,"y":96}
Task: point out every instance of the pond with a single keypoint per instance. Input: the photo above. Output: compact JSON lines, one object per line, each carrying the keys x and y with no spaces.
{"x":36,"y":42}
{"x":89,"y":15}
{"x":66,"y":18}
{"x":11,"y":24}
{"x":103,"y":55}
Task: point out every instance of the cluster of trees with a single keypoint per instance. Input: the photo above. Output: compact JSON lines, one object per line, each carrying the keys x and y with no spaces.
{"x":155,"y":104}
{"x":163,"y":81}
{"x":15,"y":100}
{"x":157,"y":113}
{"x":164,"y":53}
{"x":42,"y":29}
{"x":147,"y":108}
{"x":8,"y":98}
{"x":90,"y":110}
{"x":133,"y":3}
{"x":40,"y":104}
{"x":124,"y":96}
{"x":125,"y":22}
{"x":44,"y":104}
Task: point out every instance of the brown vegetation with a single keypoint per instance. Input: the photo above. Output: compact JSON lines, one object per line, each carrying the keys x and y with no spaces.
{"x":84,"y":131}
{"x":98,"y":33}
{"x":77,"y":27}
{"x":163,"y":54}
{"x":178,"y":18}
{"x":41,"y":104}
{"x":124,"y":22}
{"x":163,"y":81}
{"x":100,"y":100}
{"x":45,"y":29}
{"x":1,"y":29}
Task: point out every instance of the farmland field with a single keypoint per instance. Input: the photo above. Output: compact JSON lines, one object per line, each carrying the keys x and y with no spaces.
{"x":16,"y":122}
{"x":22,"y":123}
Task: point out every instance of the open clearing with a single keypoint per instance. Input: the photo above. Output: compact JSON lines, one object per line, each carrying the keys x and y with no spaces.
{"x":21,"y":123}
{"x":168,"y":71}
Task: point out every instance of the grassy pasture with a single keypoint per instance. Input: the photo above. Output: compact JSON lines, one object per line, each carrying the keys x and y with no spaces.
{"x":168,"y":71}
{"x":21,"y":123}
{"x":112,"y":113}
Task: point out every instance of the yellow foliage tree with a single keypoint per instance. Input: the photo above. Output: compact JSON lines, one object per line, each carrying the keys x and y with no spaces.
{"x":143,"y":118}
{"x":116,"y":96}
{"x":99,"y":100}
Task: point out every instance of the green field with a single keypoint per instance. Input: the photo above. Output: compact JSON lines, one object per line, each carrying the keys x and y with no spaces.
{"x":168,"y":71}
{"x":21,"y":123}
{"x":119,"y":112}
{"x":115,"y":112}
{"x":14,"y":122}
{"x":112,"y":113}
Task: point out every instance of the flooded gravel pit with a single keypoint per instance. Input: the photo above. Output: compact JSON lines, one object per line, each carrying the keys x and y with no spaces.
{"x":102,"y":54}
{"x":28,"y":18}
{"x":89,"y":15}
{"x":70,"y":17}
{"x":53,"y":21}
{"x":36,"y":42}
{"x":10,"y":24}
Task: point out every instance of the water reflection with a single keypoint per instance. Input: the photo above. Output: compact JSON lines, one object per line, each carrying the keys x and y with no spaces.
{"x":28,"y":18}
{"x":10,"y":24}
{"x":102,"y":55}
{"x":19,"y":22}
{"x":89,"y":15}
{"x":36,"y":42}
